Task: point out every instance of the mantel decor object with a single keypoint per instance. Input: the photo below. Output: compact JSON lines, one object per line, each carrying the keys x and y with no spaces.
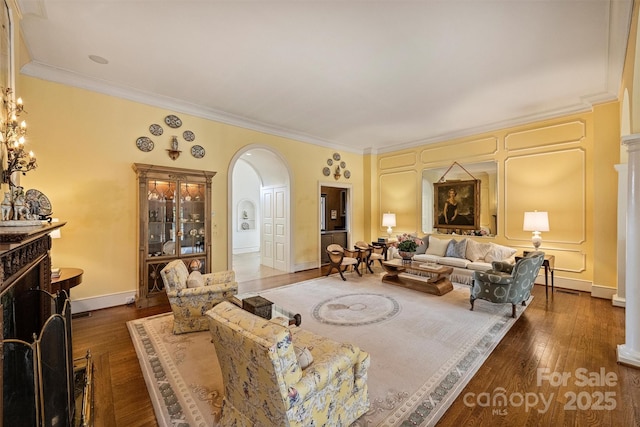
{"x":16,"y":208}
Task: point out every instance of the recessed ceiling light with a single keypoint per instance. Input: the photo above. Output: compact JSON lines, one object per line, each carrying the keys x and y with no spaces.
{"x":98,"y":59}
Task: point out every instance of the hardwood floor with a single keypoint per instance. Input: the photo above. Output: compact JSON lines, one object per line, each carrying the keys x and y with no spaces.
{"x":563,"y":335}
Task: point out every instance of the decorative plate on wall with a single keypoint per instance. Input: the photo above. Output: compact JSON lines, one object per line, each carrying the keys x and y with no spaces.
{"x":188,"y":136}
{"x":197,"y":151}
{"x":336,"y":156}
{"x":330,"y":162}
{"x":173,"y":121}
{"x":347,"y":174}
{"x":155,"y":129}
{"x":144,"y":143}
{"x":326,"y":171}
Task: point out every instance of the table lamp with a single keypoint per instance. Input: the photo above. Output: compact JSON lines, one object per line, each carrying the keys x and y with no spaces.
{"x":389,"y":220}
{"x":536,"y":222}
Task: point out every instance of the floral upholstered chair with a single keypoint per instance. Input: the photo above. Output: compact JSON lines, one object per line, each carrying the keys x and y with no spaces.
{"x":192,"y":294}
{"x":266,"y":382}
{"x":507,"y":283}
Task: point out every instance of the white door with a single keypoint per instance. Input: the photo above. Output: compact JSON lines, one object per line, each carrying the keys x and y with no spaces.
{"x":275,"y":235}
{"x":267,"y":240}
{"x":280,"y":236}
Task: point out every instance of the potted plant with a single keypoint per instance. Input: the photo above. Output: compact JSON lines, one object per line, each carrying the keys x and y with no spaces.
{"x":407,"y":246}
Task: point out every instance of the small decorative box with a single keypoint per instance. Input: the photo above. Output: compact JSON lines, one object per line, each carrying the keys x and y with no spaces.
{"x":258,"y":305}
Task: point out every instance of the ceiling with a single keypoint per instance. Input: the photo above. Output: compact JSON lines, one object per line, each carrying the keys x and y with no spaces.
{"x":362,"y":76}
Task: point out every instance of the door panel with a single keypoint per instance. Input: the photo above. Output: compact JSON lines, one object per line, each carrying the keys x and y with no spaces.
{"x":280,"y":236}
{"x":266,"y":254}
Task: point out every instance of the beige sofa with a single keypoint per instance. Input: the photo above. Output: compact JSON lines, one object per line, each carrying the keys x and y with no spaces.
{"x":464,"y":254}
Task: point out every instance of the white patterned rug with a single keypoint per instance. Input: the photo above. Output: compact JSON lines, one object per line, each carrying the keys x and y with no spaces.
{"x":424,"y":348}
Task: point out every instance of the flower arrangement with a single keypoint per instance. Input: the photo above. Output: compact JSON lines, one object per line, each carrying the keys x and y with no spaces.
{"x":408,"y":243}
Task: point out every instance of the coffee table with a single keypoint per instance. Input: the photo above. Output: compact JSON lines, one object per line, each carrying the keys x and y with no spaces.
{"x":423,"y":277}
{"x":276,"y":310}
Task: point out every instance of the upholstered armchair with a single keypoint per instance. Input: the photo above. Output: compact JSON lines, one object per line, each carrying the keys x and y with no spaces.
{"x":265,"y":383}
{"x":192,"y":294}
{"x":364,"y":254}
{"x":341,"y":258}
{"x":507,"y":283}
{"x":378,"y":253}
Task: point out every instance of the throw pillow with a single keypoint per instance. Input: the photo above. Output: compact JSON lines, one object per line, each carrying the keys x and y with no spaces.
{"x":457,"y":249}
{"x":304,"y":356}
{"x":477,"y":251}
{"x":423,"y":247}
{"x":195,"y":280}
{"x":437,"y":246}
{"x":499,"y":253}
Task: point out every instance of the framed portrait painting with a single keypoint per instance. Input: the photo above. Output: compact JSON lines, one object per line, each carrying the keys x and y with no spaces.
{"x":457,"y":204}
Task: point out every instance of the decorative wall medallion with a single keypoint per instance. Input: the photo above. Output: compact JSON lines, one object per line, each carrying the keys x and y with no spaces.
{"x":347,"y":174}
{"x":155,"y":129}
{"x":173,"y":121}
{"x":343,"y":165}
{"x":197,"y":151}
{"x":326,"y":171}
{"x":330,"y":162}
{"x":188,"y":136}
{"x":144,"y":143}
{"x":336,"y":156}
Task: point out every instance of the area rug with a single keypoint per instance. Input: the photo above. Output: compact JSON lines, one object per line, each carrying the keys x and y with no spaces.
{"x":424,"y":348}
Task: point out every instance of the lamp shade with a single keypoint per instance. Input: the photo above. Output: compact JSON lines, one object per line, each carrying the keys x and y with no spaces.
{"x":536,"y":221}
{"x":389,"y":220}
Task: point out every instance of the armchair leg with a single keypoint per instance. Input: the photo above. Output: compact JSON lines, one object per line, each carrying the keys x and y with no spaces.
{"x":471,"y":300}
{"x":369,"y":267}
{"x":342,"y":275}
{"x":358,"y":270}
{"x":513,"y":310}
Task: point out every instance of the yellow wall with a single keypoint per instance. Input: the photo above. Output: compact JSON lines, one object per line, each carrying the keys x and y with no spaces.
{"x":563,"y":166}
{"x":85,"y":145}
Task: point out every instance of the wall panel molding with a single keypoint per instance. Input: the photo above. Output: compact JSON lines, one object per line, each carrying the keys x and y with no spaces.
{"x":397,"y":161}
{"x":559,"y":134}
{"x":471,"y":149}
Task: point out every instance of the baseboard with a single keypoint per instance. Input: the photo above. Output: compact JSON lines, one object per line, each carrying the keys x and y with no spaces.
{"x":104,"y":301}
{"x":251,"y":249}
{"x":305,"y":266}
{"x":618,"y":301}
{"x":604,"y":292}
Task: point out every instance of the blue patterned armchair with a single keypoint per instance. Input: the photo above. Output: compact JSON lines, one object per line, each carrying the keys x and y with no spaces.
{"x":507,"y":283}
{"x":267,"y":381}
{"x":192,"y":294}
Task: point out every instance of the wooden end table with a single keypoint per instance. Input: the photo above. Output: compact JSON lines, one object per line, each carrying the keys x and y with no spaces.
{"x":410,"y":275}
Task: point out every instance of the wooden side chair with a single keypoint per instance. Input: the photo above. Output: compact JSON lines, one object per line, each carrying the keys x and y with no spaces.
{"x":378,"y":253}
{"x":364,"y":254}
{"x":341,"y":258}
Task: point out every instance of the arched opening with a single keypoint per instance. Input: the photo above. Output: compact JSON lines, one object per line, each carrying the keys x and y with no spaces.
{"x":260,"y":214}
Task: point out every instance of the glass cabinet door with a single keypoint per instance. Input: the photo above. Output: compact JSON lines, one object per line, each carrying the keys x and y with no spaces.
{"x":162,"y":212}
{"x":192,"y":218}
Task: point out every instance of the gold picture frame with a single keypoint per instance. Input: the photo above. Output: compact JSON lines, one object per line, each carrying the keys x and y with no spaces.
{"x":457,"y":204}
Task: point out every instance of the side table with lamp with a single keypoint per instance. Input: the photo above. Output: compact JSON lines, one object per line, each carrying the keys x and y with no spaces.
{"x":536,"y":222}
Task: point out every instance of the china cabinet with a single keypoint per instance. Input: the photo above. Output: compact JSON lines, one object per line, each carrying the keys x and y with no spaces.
{"x":174,"y":223}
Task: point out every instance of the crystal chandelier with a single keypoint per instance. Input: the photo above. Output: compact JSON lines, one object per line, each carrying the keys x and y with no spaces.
{"x":12,"y":137}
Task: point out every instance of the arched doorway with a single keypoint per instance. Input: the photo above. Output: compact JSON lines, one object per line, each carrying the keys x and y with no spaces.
{"x":259,"y":213}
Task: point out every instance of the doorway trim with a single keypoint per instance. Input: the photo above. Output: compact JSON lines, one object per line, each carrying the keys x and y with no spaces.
{"x":289,"y":205}
{"x":349,"y":206}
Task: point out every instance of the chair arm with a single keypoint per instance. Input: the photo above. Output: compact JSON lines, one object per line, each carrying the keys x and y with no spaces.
{"x":351,"y":253}
{"x":493,"y":277}
{"x":502,"y":266}
{"x":325,"y":369}
{"x":229,"y":288}
{"x":219,"y":277}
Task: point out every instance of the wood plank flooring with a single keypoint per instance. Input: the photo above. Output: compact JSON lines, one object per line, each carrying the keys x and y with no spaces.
{"x":564,"y":334}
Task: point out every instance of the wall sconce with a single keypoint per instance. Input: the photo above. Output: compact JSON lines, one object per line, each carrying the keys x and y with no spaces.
{"x":336,"y":175}
{"x":536,"y":222}
{"x":174,"y":153}
{"x":12,"y":136}
{"x":389,"y":220}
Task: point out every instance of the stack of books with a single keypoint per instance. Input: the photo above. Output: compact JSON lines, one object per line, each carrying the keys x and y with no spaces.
{"x":55,"y":273}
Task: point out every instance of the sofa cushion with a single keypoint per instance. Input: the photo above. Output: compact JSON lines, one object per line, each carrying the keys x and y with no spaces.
{"x":423,"y":247}
{"x":476,"y":251}
{"x":437,"y":246}
{"x":304,"y":356}
{"x":457,"y":249}
{"x":195,"y":280}
{"x":479,"y":266}
{"x":426,"y":258}
{"x":499,"y":253}
{"x":454,"y":262}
